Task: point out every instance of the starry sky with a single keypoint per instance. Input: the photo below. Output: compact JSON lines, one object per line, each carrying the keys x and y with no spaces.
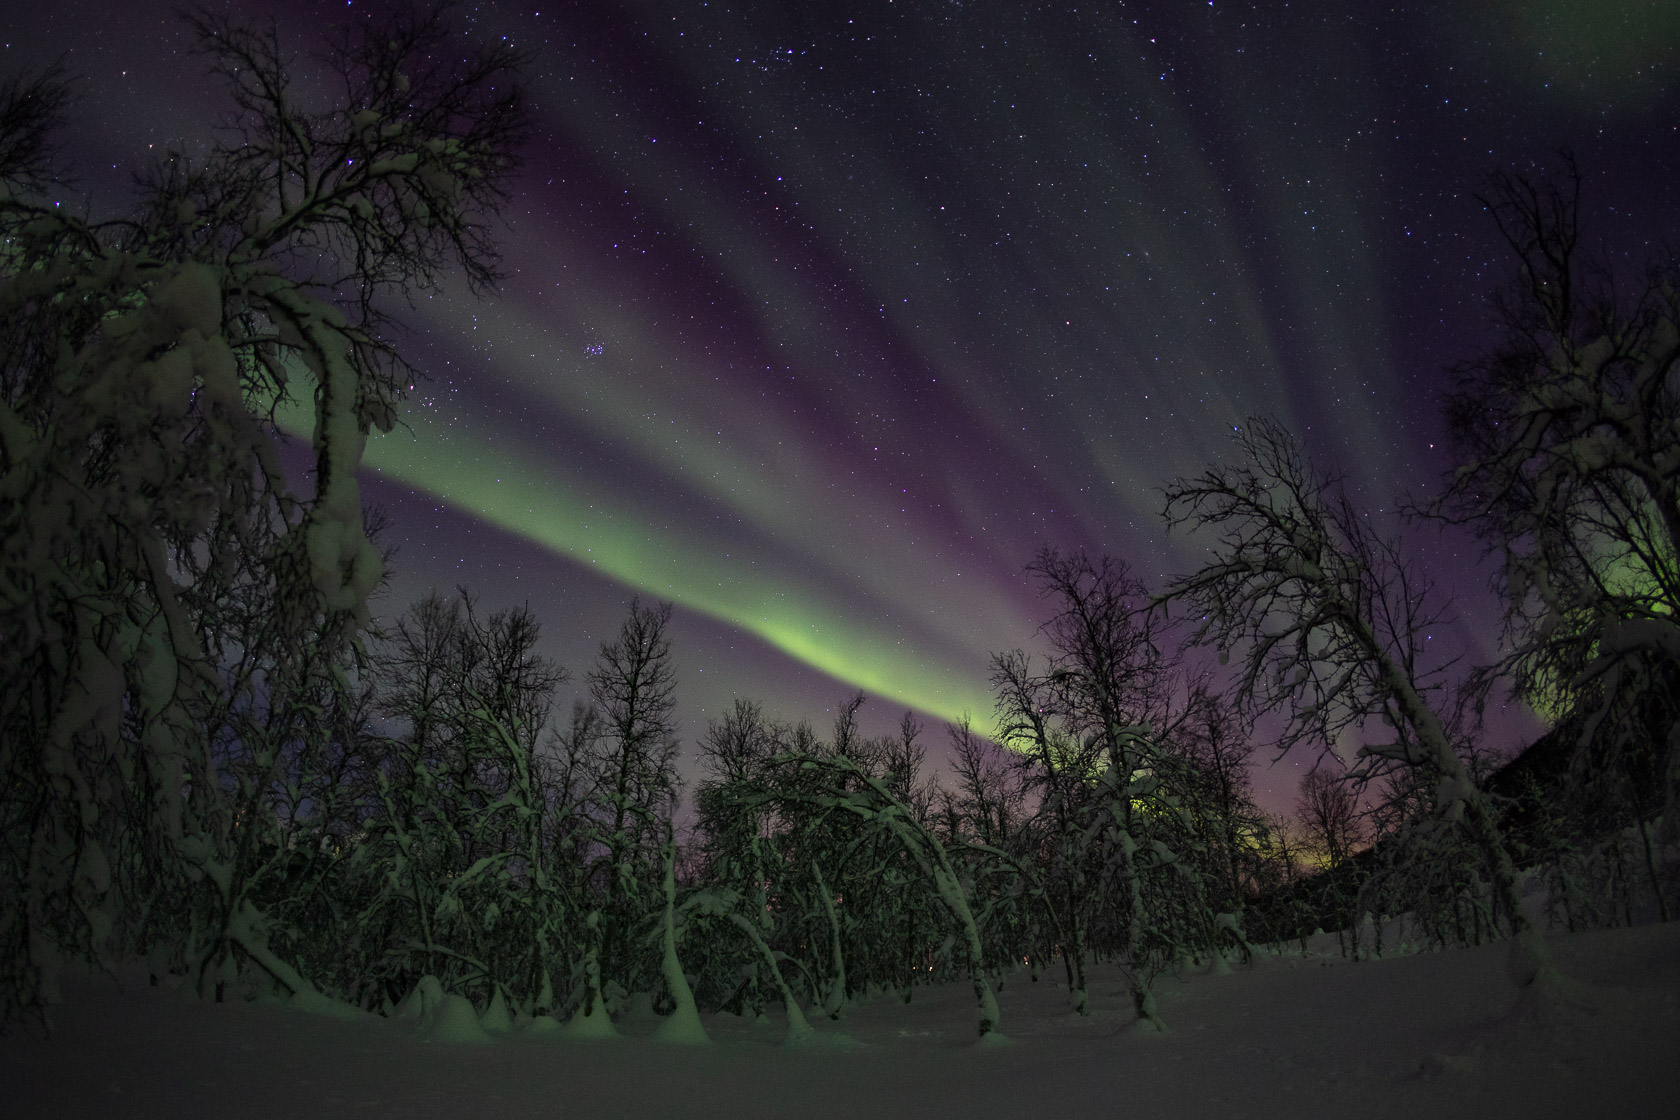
{"x":821,"y":318}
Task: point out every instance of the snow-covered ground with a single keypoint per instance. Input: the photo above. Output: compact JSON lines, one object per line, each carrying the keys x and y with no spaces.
{"x":1434,"y":1035}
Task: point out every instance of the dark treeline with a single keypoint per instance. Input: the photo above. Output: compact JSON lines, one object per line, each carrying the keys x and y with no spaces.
{"x":213,"y":759}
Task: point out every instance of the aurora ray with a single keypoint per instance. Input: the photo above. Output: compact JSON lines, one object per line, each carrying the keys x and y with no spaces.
{"x":821,"y":322}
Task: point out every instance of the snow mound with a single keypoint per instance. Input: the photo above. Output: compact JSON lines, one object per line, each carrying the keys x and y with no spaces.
{"x":317,"y":1004}
{"x":683,"y":1028}
{"x":544,"y":1026}
{"x":588,"y":1028}
{"x":455,"y":1020}
{"x":422,"y":1001}
{"x":497,"y":1020}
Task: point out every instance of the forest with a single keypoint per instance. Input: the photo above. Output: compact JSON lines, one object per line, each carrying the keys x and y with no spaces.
{"x":215,"y":760}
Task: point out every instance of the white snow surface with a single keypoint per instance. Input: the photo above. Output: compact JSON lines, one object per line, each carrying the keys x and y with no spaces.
{"x":1435,"y":1035}
{"x":456,"y":1021}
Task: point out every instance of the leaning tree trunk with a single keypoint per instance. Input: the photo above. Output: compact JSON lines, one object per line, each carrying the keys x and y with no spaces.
{"x":682,"y":1025}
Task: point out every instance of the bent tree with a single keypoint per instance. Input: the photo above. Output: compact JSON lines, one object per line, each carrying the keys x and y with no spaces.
{"x":836,"y":786}
{"x":1329,"y":619}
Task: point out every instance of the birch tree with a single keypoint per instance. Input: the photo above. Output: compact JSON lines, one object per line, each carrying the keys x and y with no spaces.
{"x":1328,"y":809}
{"x":631,"y":773}
{"x":143,"y":360}
{"x":1566,"y":432}
{"x":1056,"y":767}
{"x":1330,"y":623}
{"x":470,"y":891}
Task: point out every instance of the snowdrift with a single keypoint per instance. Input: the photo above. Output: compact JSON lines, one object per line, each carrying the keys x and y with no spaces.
{"x":1436,"y":1035}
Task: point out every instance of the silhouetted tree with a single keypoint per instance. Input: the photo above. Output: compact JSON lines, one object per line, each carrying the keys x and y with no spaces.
{"x":1331,"y":621}
{"x":1103,"y":738}
{"x":142,"y":360}
{"x":1215,"y":746}
{"x":632,"y":779}
{"x":468,"y":887}
{"x":1566,"y":433}
{"x":739,"y":855}
{"x":1328,"y":808}
{"x":1056,"y":766}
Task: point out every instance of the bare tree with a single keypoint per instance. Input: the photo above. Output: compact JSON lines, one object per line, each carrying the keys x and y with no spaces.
{"x":470,"y":890}
{"x":633,"y":686}
{"x":1056,"y":767}
{"x":32,"y":110}
{"x":902,"y":757}
{"x":1097,"y":730}
{"x":1567,"y":436}
{"x":633,"y":777}
{"x":833,"y":785}
{"x":1331,"y":622}
{"x":988,"y":800}
{"x":1329,"y":810}
{"x":141,"y":363}
{"x":986,"y":821}
{"x":736,"y":751}
{"x":1217,"y":745}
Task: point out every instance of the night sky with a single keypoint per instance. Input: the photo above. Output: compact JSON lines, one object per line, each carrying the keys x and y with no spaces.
{"x":821,"y":318}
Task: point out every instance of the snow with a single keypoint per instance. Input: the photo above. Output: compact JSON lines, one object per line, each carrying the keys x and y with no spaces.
{"x":1642,"y":633}
{"x":425,"y":998}
{"x":582,"y":1027}
{"x":497,"y":1018}
{"x":190,"y":300}
{"x":683,"y":1026}
{"x":455,"y":1020}
{"x":1438,"y":1035}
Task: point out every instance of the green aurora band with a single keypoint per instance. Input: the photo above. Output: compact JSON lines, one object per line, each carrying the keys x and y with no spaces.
{"x":511,"y":491}
{"x":820,"y":331}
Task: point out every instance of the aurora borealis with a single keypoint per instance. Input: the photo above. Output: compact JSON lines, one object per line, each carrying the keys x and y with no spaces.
{"x":821,"y":319}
